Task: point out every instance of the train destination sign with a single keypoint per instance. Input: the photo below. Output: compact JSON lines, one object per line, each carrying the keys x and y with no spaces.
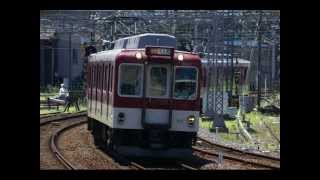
{"x":159,"y":51}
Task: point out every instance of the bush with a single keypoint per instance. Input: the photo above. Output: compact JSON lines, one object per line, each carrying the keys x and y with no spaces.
{"x":49,"y":89}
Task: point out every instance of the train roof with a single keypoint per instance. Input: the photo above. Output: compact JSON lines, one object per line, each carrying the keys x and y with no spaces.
{"x":147,"y":39}
{"x":108,"y":55}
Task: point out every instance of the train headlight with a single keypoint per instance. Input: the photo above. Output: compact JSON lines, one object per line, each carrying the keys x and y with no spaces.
{"x":139,"y":55}
{"x":180,"y":57}
{"x":190,"y":120}
{"x":121,"y":117}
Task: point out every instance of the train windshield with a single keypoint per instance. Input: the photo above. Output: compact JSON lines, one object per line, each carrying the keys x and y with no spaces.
{"x":185,"y":86}
{"x":158,"y":81}
{"x":130,"y":80}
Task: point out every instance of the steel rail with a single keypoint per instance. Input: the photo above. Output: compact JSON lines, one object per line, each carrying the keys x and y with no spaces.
{"x":55,"y":118}
{"x":187,"y":167}
{"x":55,"y":149}
{"x":240,"y":151}
{"x":234,"y":158}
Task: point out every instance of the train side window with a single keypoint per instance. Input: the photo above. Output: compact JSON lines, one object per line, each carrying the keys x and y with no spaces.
{"x":93,"y":75}
{"x":102,"y":77}
{"x":106,"y":77}
{"x":99,"y":77}
{"x":130,"y":80}
{"x":111,"y":78}
{"x":100,"y":71}
{"x":96,"y":78}
{"x":92,"y":78}
{"x":88,"y":78}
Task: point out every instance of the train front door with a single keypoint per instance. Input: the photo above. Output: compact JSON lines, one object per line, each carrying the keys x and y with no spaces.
{"x":158,"y":86}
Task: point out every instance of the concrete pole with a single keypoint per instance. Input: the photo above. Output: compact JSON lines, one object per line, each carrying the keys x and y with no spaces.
{"x":259,"y":58}
{"x":273,"y":64}
{"x":70,"y":53}
{"x":52,"y":66}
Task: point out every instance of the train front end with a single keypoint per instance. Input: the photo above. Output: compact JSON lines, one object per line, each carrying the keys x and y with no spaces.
{"x":157,"y":102}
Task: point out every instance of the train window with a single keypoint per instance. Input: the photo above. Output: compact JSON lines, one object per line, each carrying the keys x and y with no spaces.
{"x":109,"y":70}
{"x":101,"y":76}
{"x":111,"y":78}
{"x":88,"y":78}
{"x":185,"y":84}
{"x":105,"y":77}
{"x":130,"y":76}
{"x":93,"y":74}
{"x":157,"y":85}
{"x":96,"y":78}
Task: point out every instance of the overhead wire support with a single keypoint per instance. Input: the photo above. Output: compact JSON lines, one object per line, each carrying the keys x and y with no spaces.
{"x":259,"y":57}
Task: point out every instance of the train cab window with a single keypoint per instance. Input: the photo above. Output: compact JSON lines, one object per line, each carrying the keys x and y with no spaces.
{"x":158,"y":82}
{"x":130,"y":76}
{"x":185,"y":84}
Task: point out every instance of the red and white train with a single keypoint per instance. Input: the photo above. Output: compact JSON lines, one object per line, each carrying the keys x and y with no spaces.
{"x":144,"y":96}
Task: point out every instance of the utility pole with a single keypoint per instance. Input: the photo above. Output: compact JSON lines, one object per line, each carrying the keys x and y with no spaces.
{"x":259,"y":57}
{"x":70,"y":56}
{"x":232,"y":57}
{"x":273,"y":59}
{"x":70,"y":53}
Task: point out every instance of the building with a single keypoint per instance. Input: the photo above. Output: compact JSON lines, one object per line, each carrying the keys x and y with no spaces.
{"x":68,"y":56}
{"x":61,"y":58}
{"x":46,"y":61}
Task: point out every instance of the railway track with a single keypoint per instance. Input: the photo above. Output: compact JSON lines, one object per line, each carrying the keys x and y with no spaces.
{"x":213,"y":149}
{"x":59,"y":116}
{"x":58,"y":126}
{"x":50,"y":158}
{"x":271,"y":132}
{"x":147,"y":164}
{"x":55,"y":149}
{"x":45,"y":115}
{"x":161,"y":166}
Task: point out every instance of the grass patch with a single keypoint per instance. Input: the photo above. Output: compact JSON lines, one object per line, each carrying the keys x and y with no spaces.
{"x":262,"y":133}
{"x":257,"y":130}
{"x":205,"y":122}
{"x":72,"y":109}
